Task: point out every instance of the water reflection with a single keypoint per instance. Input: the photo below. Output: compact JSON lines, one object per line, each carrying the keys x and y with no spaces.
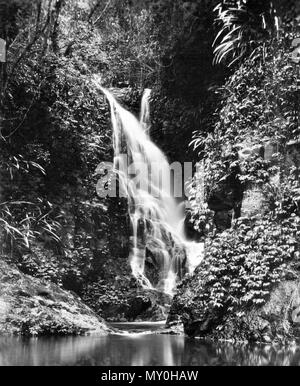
{"x":139,"y":350}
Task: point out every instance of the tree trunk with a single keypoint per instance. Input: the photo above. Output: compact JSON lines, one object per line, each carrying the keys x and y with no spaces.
{"x":55,"y":17}
{"x":3,"y":37}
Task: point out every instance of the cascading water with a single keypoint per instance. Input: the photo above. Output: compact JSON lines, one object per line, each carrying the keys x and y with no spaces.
{"x":154,"y":213}
{"x":145,"y":110}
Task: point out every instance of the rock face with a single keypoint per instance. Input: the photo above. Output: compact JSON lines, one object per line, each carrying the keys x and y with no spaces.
{"x":278,"y":318}
{"x":29,"y":306}
{"x":234,"y":294}
{"x":277,"y":321}
{"x":117,"y":296}
{"x":149,"y":305}
{"x":254,"y":202}
{"x":225,"y":200}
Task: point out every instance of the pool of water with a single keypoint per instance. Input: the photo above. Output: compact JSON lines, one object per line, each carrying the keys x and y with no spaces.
{"x":139,"y":345}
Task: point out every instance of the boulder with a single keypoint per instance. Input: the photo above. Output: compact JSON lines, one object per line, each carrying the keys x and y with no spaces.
{"x":254,"y":202}
{"x":277,"y":321}
{"x":118,"y":297}
{"x":30,"y":306}
{"x":138,"y":305}
{"x":292,"y":157}
{"x":225,"y":200}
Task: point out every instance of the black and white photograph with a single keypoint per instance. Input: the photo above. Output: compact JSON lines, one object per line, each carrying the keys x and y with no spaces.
{"x":149,"y":186}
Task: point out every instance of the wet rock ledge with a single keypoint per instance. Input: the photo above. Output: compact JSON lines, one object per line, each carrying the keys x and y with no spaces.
{"x":29,"y":306}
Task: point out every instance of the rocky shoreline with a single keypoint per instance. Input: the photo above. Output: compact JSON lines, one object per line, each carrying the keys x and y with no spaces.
{"x":32,"y":307}
{"x":277,"y":321}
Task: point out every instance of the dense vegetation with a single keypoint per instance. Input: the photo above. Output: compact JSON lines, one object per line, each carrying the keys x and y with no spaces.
{"x":248,"y":154}
{"x":223,"y":81}
{"x":55,"y":127}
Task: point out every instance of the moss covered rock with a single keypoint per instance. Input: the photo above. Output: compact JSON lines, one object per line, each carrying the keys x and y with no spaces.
{"x":30,"y":306}
{"x":247,"y":287}
{"x":117,"y":296}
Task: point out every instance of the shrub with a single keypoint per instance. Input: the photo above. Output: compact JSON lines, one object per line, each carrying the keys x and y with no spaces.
{"x":242,"y":266}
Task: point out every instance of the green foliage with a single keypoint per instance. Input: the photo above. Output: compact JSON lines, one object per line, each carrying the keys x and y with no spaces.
{"x":55,"y":131}
{"x":244,"y":26}
{"x":257,"y":120}
{"x":284,"y":197}
{"x":259,"y":108}
{"x":39,"y":324}
{"x":243,"y":264}
{"x":174,"y":118}
{"x":112,"y":290}
{"x":260,"y":101}
{"x":24,"y":222}
{"x":101,"y":295}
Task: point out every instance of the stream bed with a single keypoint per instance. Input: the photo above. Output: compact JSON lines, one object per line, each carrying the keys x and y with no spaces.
{"x":139,"y":344}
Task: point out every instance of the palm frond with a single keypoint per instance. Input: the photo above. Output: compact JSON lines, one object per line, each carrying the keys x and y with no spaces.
{"x":243,"y":25}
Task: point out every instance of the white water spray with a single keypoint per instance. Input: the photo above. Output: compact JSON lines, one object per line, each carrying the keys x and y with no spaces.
{"x":145,"y":110}
{"x":155,"y":215}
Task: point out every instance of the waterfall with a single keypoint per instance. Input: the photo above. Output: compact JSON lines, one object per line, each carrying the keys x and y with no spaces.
{"x":156,"y":217}
{"x":145,"y":110}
